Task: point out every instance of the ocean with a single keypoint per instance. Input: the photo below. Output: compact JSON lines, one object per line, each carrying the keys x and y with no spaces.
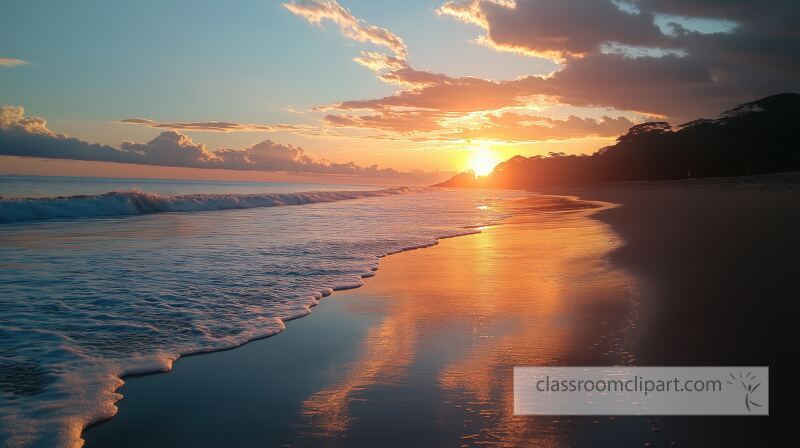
{"x":101,"y":278}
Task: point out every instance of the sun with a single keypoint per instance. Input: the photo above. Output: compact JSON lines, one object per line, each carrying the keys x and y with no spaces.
{"x":482,"y":161}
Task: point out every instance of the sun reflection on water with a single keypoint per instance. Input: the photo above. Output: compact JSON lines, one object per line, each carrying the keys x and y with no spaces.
{"x":537,"y":292}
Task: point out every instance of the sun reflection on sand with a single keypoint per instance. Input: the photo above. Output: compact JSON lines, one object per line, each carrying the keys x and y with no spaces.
{"x":536,"y":291}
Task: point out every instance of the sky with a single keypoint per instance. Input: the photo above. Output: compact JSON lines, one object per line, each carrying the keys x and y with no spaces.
{"x":366,"y":91}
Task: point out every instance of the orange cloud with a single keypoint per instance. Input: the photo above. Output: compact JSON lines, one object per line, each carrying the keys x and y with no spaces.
{"x":447,"y":94}
{"x":396,"y":71}
{"x":404,"y":121}
{"x":519,"y":127}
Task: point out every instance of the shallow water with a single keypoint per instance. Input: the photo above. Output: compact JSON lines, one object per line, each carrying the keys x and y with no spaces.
{"x":421,"y":356}
{"x":86,"y":300}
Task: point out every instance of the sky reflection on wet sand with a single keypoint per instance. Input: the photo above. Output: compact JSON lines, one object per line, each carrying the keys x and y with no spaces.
{"x":460,"y":316}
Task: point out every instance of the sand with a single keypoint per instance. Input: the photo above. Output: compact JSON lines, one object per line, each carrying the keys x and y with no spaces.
{"x":684,"y":273}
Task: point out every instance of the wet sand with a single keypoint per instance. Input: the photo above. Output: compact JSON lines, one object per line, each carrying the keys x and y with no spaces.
{"x":422,"y":354}
{"x":716,"y":261}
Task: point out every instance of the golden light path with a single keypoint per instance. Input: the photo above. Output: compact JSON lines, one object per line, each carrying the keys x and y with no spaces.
{"x":535,"y":291}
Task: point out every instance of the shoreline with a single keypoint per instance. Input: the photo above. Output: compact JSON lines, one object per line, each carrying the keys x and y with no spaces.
{"x":345,"y":268}
{"x":165,"y":366}
{"x":139,"y":371}
{"x":633,"y":200}
{"x":328,"y":292}
{"x":513,"y":233}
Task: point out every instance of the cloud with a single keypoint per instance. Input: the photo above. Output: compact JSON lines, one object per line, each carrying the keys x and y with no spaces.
{"x":396,"y":71}
{"x":403,"y":121}
{"x":447,"y":94}
{"x":25,"y":136}
{"x":12,"y":118}
{"x":11,"y":62}
{"x":315,"y":11}
{"x":680,"y":87}
{"x":271,"y":156}
{"x":669,"y":85}
{"x":171,"y":148}
{"x":212,"y":126}
{"x":267,"y":153}
{"x":520,"y":127}
{"x":29,"y":137}
{"x":426,"y":99}
{"x":611,"y":57}
{"x":684,"y":74}
{"x":555,"y":29}
{"x":774,"y":17}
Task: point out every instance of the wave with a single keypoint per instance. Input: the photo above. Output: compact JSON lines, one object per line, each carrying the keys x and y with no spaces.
{"x":135,"y":202}
{"x":130,"y":306}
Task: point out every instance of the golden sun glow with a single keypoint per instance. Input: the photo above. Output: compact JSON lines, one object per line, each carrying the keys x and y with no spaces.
{"x":482,"y":161}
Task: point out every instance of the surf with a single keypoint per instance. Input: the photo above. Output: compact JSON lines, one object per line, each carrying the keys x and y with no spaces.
{"x":136,"y":202}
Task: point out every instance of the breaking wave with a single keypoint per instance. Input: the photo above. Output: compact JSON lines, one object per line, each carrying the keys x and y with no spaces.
{"x":84,"y":303}
{"x":135,"y":202}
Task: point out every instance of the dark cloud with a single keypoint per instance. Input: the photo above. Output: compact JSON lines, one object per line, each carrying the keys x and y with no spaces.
{"x":170,"y":148}
{"x":776,"y":17}
{"x":271,"y":156}
{"x":669,"y":85}
{"x":557,"y":28}
{"x":29,"y":137}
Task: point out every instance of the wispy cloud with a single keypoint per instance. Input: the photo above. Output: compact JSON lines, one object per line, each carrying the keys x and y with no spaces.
{"x":12,"y":62}
{"x":315,"y":11}
{"x":396,"y":71}
{"x":402,"y":121}
{"x":213,"y":126}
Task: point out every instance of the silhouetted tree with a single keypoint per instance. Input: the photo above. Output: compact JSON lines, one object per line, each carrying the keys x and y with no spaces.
{"x":752,"y":138}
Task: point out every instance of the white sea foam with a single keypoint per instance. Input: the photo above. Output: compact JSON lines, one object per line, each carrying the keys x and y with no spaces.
{"x":136,"y":202}
{"x":86,"y":301}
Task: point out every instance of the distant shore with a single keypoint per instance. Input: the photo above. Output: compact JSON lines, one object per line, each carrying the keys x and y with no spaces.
{"x":682,"y":273}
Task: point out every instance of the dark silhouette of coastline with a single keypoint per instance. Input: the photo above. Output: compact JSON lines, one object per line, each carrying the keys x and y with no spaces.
{"x":753,"y":138}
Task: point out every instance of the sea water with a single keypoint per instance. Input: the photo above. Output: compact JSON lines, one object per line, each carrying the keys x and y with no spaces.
{"x":100,"y":278}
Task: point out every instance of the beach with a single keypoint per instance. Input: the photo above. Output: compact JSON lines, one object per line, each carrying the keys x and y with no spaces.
{"x":431,"y":223}
{"x":423,"y":353}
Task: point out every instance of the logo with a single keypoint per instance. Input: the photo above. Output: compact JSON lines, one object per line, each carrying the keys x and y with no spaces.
{"x":750,"y":384}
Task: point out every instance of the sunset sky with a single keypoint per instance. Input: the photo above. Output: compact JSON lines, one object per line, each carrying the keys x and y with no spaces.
{"x":255,"y":89}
